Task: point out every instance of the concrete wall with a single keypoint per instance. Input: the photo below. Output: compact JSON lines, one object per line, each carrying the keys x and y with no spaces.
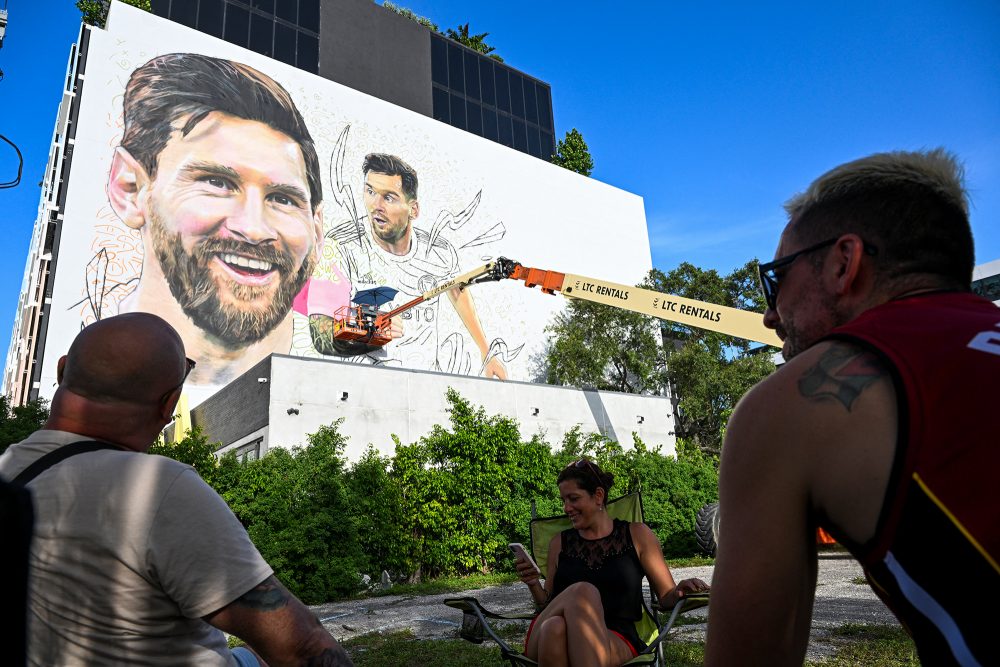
{"x":305,"y":394}
{"x":380,"y":53}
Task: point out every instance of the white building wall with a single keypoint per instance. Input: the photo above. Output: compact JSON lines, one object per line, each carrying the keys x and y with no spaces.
{"x":381,"y":402}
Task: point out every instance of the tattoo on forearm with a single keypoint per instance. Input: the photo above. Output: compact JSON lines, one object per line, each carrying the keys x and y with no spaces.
{"x":842,"y":373}
{"x":267,"y":596}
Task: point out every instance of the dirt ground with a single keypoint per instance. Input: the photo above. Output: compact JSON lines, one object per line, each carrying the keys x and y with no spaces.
{"x":839,"y":600}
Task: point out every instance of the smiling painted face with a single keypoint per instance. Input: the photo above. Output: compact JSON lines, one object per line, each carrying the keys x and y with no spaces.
{"x":232,"y":225}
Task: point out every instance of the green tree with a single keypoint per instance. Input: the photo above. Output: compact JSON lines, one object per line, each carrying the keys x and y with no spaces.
{"x":709,"y":372}
{"x":193,"y":449}
{"x":572,"y":153}
{"x":294,"y":505}
{"x":17,"y":423}
{"x":594,"y":345}
{"x":95,"y":12}
{"x":466,"y":491}
{"x":474,"y":42}
{"x":410,"y":14}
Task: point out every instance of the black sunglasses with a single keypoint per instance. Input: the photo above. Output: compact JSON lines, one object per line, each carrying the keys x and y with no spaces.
{"x":191,"y":363}
{"x":587,"y":465}
{"x":770,"y":278}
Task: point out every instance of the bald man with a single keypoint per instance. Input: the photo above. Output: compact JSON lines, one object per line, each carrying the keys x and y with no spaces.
{"x":135,"y":559}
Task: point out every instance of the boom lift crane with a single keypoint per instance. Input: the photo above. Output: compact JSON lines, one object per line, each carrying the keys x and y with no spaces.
{"x":362,"y":323}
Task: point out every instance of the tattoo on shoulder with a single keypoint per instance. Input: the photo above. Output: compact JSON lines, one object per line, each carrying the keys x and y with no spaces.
{"x":842,"y":374}
{"x":266,"y":596}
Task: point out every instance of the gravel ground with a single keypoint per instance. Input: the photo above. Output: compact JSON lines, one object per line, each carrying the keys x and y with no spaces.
{"x":838,"y":601}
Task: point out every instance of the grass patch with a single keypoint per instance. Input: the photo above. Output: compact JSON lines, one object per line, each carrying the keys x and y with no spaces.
{"x":450,"y":584}
{"x":693,"y":561}
{"x":859,"y":644}
{"x":860,"y":581}
{"x":401,"y":649}
{"x":871,"y":645}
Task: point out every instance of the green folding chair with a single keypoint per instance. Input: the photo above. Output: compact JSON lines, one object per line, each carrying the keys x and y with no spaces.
{"x":651,"y":628}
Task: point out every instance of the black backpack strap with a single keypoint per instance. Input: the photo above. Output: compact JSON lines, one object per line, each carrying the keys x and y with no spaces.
{"x":57,"y":455}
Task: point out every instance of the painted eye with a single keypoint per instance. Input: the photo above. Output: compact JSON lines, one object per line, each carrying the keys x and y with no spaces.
{"x":218,"y":182}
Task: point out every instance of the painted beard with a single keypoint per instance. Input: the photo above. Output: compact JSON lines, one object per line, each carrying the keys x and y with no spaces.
{"x":236,"y":322}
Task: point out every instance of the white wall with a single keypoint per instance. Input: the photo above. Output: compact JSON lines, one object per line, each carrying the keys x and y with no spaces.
{"x":384,"y":401}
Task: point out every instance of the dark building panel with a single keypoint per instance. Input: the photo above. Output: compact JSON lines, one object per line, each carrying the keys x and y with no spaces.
{"x":373,"y":50}
{"x":456,"y":70}
{"x":474,"y":118}
{"x":237,"y":29}
{"x":441,"y":105}
{"x":439,"y":60}
{"x":544,"y":106}
{"x":309,"y":13}
{"x":262,"y":35}
{"x":284,"y":43}
{"x":472,"y":75}
{"x":266,"y":6}
{"x":211,"y":17}
{"x":489,"y":95}
{"x":458,"y":112}
{"x":308,"y":53}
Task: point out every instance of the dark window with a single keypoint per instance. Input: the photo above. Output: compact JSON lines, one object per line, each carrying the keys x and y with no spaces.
{"x":472,"y":75}
{"x":308,"y":53}
{"x":288,"y":10}
{"x":309,"y":15}
{"x":544,"y":107}
{"x":284,"y":43}
{"x":264,"y":5}
{"x":160,"y":7}
{"x":237,"y":25}
{"x":441,"y":104}
{"x":516,"y":95}
{"x":185,"y":13}
{"x":520,"y":136}
{"x":486,"y":81}
{"x":490,"y":124}
{"x":458,"y":111}
{"x":474,"y":118}
{"x":503,"y":92}
{"x":503,"y":124}
{"x":548,"y":148}
{"x":455,"y":77}
{"x":261,"y":34}
{"x":530,"y":106}
{"x":210,"y":17}
{"x":533,"y":146}
{"x":439,"y":61}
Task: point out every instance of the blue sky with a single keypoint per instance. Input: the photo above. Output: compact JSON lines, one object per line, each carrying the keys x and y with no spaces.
{"x":714,"y":112}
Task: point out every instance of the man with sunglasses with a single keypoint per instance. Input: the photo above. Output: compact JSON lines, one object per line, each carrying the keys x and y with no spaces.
{"x":877,"y":429}
{"x":135,"y":560}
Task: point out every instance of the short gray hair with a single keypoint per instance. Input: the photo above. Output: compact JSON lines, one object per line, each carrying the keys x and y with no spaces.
{"x":912,"y":206}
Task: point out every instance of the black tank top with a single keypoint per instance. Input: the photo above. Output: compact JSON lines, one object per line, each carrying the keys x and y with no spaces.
{"x":612,"y":566}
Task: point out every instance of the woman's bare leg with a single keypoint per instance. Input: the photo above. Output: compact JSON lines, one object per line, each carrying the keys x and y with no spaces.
{"x":583,"y":637}
{"x":552,"y":651}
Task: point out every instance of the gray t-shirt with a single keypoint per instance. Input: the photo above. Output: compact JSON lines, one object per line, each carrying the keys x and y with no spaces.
{"x":130,"y":551}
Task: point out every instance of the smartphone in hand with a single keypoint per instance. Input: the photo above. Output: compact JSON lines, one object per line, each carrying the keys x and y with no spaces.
{"x":520,"y":552}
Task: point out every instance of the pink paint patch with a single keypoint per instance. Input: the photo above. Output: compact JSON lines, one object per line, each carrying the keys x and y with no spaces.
{"x":320,"y":296}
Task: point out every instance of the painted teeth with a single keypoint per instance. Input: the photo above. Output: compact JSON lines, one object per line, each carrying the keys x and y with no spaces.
{"x":247,"y":262}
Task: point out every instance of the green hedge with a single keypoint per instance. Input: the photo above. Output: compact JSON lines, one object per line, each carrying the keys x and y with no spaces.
{"x":447,"y":504}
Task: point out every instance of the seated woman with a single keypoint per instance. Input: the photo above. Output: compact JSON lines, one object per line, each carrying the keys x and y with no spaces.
{"x":593,"y":588}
